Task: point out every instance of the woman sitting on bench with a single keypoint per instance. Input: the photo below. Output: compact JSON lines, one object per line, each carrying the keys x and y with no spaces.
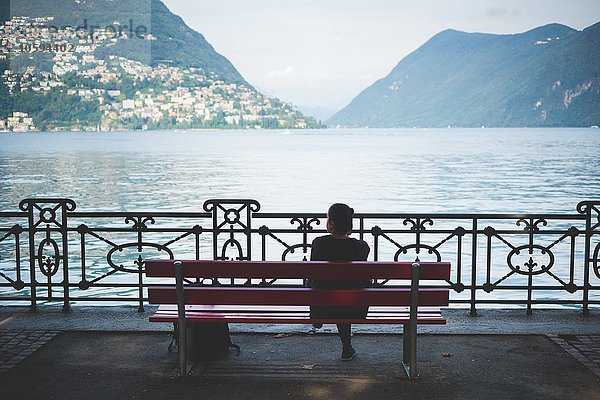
{"x":338,"y":246}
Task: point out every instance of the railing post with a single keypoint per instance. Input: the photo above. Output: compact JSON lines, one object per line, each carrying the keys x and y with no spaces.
{"x":140,"y":263}
{"x":65,"y":257}
{"x":473,"y":311}
{"x":32,"y":278}
{"x":587,"y":260}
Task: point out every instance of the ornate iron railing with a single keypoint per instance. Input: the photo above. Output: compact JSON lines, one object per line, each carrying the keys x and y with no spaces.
{"x":50,"y":252}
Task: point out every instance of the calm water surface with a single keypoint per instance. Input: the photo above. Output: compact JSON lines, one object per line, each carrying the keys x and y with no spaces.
{"x":396,"y":170}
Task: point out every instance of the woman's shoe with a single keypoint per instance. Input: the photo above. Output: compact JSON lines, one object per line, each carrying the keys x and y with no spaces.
{"x":348,"y":353}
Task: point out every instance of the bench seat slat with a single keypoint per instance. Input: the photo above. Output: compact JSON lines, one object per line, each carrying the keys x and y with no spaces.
{"x":297,"y":319}
{"x":172,"y":308}
{"x":298,"y":269}
{"x":297,"y":296}
{"x":276,"y":317}
{"x":254,"y":320}
{"x":273,"y":316}
{"x":257,"y":314}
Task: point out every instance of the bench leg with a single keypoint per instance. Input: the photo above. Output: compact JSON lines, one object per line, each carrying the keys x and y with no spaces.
{"x":405,"y":345}
{"x":184,"y":368}
{"x":410,"y":329}
{"x":184,"y":350}
{"x":409,"y":350}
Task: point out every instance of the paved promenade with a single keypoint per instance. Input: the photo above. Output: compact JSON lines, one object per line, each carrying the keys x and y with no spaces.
{"x":113,"y":352}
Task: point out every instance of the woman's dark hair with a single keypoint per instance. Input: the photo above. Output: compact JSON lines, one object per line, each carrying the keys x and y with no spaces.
{"x":341,"y":216}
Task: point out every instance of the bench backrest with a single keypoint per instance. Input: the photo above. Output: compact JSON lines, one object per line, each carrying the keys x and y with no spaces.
{"x":255,"y":296}
{"x":241,"y":295}
{"x":299,"y":269}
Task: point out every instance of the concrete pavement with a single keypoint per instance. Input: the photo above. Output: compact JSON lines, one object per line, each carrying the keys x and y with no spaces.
{"x":499,"y":355}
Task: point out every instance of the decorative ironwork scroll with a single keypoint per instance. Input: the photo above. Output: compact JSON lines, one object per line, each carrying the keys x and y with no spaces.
{"x":232,"y":219}
{"x":48,"y":221}
{"x":530,"y":259}
{"x":17,"y":282}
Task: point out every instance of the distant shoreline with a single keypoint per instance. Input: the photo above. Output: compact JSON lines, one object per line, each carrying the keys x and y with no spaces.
{"x":298,"y":130}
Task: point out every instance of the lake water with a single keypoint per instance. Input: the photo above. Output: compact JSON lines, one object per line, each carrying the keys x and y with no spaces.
{"x":389,"y":171}
{"x":392,"y":170}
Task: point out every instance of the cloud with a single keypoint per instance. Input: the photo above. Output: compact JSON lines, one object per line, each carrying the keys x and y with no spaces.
{"x":497,"y":12}
{"x":291,"y":73}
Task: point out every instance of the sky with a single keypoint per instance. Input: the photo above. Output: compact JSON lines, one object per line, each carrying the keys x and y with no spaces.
{"x":322,"y":53}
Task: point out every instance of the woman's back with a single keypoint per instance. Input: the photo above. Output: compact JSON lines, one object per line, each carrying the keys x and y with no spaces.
{"x":328,"y":248}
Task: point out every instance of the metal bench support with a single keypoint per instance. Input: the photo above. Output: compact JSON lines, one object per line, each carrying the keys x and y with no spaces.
{"x":184,"y":367}
{"x":409,"y":333}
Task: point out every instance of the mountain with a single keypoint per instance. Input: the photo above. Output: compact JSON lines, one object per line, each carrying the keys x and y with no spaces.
{"x":548,"y":76}
{"x":121,"y":65}
{"x":176,"y":41}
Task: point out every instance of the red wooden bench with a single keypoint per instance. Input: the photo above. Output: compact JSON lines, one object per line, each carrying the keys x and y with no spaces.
{"x":408,"y":306}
